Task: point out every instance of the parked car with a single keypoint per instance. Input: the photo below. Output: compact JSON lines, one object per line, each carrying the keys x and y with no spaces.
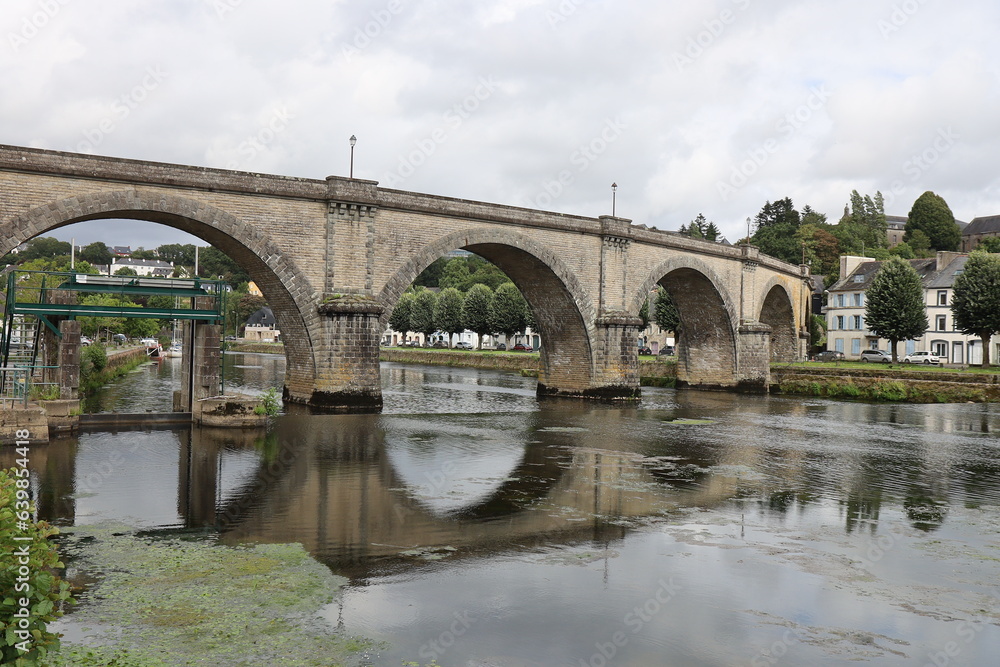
{"x":830,"y":355}
{"x":412,"y":343}
{"x":119,"y":338}
{"x":668,"y":351}
{"x":521,"y":347}
{"x":645,"y":350}
{"x":880,"y":356}
{"x":500,"y":346}
{"x":463,"y":345}
{"x":439,"y":344}
{"x":85,"y":340}
{"x":922,"y":357}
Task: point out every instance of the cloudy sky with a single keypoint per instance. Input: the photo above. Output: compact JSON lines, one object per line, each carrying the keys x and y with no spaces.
{"x":690,"y":107}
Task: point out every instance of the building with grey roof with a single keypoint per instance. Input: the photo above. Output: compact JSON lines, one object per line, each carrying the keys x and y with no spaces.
{"x":845,"y":311}
{"x":979,"y":229}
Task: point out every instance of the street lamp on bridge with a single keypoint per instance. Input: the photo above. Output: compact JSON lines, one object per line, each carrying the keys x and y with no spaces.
{"x":353,"y":140}
{"x":614,"y":191}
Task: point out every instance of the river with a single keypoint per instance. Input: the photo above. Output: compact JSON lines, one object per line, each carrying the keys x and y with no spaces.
{"x":481,"y":527}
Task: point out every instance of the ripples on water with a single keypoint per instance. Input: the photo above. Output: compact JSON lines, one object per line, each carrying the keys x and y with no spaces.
{"x":481,"y":527}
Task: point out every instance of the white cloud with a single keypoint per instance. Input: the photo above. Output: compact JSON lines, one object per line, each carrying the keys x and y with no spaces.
{"x":703,"y":88}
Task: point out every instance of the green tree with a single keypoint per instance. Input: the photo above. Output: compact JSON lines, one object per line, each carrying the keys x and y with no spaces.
{"x":990,"y":244}
{"x":894,"y":303}
{"x":920,"y":243}
{"x":665,"y":312}
{"x":976,"y":299}
{"x":213,"y":263}
{"x":44,"y":247}
{"x":247,"y":306}
{"x":126,"y":271}
{"x":422,"y":313}
{"x":92,"y":325}
{"x":903,"y":250}
{"x":508,"y":310}
{"x":399,"y":320}
{"x":448,"y":312}
{"x":142,"y":253}
{"x":177,"y":253}
{"x":776,"y":231}
{"x":455,"y":275}
{"x":931,"y":215}
{"x":476,"y":310}
{"x":863,"y":228}
{"x":96,"y":253}
{"x":430,"y":276}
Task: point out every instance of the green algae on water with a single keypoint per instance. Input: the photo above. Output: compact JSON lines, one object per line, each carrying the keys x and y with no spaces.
{"x":169,"y":601}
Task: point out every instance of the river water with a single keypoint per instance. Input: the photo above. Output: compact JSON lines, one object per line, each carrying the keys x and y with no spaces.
{"x":481,"y":527}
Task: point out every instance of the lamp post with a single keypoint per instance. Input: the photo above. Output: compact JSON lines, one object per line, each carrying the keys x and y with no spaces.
{"x":614,"y":191}
{"x":353,"y":140}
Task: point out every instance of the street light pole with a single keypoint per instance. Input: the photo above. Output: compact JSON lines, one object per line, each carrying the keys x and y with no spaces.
{"x":353,"y":140}
{"x":614,"y":191}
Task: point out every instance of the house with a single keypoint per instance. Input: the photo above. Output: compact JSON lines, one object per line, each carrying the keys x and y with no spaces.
{"x":979,"y":229}
{"x":845,"y":311}
{"x":895,"y":227}
{"x":121,"y":251}
{"x":262,"y":326}
{"x":144,"y":267}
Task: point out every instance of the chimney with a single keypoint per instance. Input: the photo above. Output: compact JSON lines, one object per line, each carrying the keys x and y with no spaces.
{"x":944,"y":258}
{"x":848,"y":263}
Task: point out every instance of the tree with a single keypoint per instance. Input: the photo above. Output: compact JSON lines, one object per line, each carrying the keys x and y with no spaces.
{"x":247,"y":306}
{"x":448,"y":312}
{"x":665,"y":312}
{"x":177,"y":253}
{"x":213,"y":263}
{"x":126,"y":271}
{"x":456,"y":274}
{"x":476,"y":311}
{"x":864,"y":227}
{"x":96,"y":253}
{"x":931,"y":215}
{"x":990,"y":244}
{"x":776,"y":231}
{"x":894,"y":303}
{"x":399,"y":320}
{"x":508,"y":310}
{"x":712,"y":232}
{"x":430,"y":276}
{"x":422,"y":313}
{"x":44,"y":247}
{"x":975,"y":299}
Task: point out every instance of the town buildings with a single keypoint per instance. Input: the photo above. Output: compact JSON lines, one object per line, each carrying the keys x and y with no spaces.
{"x":845,"y":311}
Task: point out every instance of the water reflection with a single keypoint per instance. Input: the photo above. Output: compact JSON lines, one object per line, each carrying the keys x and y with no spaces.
{"x":468,"y":494}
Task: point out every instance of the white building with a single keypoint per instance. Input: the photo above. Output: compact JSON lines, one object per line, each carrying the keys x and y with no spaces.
{"x":845,"y":311}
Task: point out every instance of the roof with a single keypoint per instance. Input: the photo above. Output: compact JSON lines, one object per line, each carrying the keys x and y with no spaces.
{"x":946,"y":276}
{"x":263,"y":317}
{"x":895,"y":221}
{"x":158,"y":263}
{"x":985,"y":225}
{"x":867,"y":271}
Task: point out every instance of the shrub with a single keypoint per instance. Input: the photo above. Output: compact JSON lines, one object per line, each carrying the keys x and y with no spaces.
{"x":41,"y":588}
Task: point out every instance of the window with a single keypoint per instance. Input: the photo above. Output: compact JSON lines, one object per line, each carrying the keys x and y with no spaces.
{"x":840,"y":321}
{"x":838,"y":344}
{"x":857,"y":299}
{"x":940,"y":348}
{"x":941,"y":323}
{"x":855,"y":346}
{"x":859,"y":278}
{"x":840,"y":300}
{"x":942,"y":298}
{"x":856,"y":325}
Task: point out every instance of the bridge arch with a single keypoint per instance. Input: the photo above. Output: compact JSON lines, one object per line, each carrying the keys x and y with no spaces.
{"x":563,"y":310}
{"x":777,"y":312}
{"x":707,"y":342}
{"x":276,"y":274}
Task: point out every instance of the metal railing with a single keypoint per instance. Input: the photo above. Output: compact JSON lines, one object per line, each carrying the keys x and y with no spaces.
{"x":18,"y":384}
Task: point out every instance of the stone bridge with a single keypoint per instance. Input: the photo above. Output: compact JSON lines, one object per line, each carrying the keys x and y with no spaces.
{"x":333,"y":256}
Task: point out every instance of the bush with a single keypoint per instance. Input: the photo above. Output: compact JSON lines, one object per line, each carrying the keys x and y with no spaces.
{"x":41,"y":588}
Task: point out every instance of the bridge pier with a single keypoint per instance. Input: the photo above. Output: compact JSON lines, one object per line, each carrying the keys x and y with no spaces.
{"x":200,"y":373}
{"x":753,"y":370}
{"x":347,"y":365}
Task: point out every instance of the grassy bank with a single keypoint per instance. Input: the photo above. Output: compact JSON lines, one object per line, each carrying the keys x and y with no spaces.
{"x":887,"y":382}
{"x":98,"y":367}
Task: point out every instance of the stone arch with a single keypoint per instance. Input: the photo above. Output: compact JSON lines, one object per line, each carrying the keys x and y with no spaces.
{"x":563,"y":310}
{"x":707,"y":343}
{"x":277,"y":275}
{"x":777,"y":312}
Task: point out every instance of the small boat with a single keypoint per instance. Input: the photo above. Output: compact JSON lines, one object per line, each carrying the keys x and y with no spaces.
{"x":153,"y":348}
{"x":173,"y":351}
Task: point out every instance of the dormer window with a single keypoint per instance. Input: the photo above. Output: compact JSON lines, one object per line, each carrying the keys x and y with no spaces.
{"x":859,"y":278}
